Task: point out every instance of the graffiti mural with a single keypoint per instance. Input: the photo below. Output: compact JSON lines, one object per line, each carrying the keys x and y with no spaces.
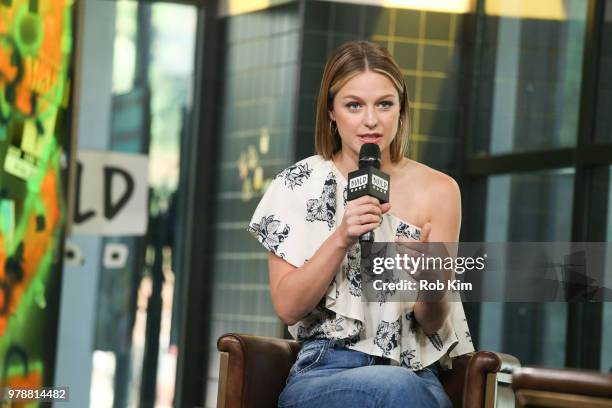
{"x":35,"y":59}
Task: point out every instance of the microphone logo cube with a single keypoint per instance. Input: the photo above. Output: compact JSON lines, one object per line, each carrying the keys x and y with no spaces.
{"x":369,"y":181}
{"x":359,"y":182}
{"x":380,"y":184}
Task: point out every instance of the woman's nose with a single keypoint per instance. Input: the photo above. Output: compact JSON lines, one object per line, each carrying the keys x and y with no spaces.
{"x":370,"y":119}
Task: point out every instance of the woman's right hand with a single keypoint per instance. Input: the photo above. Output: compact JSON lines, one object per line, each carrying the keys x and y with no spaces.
{"x":360,"y":216}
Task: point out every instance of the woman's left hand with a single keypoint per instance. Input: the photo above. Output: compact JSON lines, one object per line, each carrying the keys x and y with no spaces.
{"x":430,"y":254}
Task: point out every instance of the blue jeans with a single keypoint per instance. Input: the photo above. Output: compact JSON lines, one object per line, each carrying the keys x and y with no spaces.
{"x":326,"y":374}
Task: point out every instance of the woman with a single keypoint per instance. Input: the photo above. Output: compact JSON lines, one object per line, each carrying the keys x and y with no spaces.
{"x":358,"y":353}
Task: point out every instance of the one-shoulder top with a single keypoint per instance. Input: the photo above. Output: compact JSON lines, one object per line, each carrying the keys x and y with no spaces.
{"x":300,"y":209}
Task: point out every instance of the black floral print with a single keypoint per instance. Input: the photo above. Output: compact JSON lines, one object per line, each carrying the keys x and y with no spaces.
{"x":353,"y":336}
{"x":351,"y":341}
{"x":412,"y":321}
{"x":324,"y":207}
{"x":333,"y":325}
{"x":352,"y":270}
{"x":333,"y":285}
{"x":310,"y":332}
{"x":365,"y":265}
{"x":436,"y":340}
{"x":406,"y":231}
{"x":323,"y":324}
{"x":295,"y":175}
{"x":383,"y":295}
{"x":408,"y":360}
{"x":312,"y":329}
{"x":269,"y":232}
{"x":416,"y":366}
{"x":387,"y":336}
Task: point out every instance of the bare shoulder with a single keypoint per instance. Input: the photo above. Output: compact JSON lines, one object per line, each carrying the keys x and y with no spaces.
{"x":427,"y":181}
{"x":438,"y":200}
{"x":420,"y":194}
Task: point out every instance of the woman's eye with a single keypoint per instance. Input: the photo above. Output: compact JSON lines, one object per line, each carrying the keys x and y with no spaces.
{"x":352,"y":105}
{"x":386,"y":104}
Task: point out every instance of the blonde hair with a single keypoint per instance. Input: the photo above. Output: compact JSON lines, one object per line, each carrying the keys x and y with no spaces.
{"x":348,"y":60}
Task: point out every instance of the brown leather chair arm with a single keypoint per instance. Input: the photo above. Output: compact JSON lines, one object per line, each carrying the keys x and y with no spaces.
{"x":566,"y":381}
{"x":453,"y":380}
{"x":477,"y":377}
{"x":253,"y":369}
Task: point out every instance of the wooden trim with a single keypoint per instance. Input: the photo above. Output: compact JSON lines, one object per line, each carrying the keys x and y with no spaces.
{"x":491,"y":390}
{"x":223,"y":372}
{"x":547,"y":399}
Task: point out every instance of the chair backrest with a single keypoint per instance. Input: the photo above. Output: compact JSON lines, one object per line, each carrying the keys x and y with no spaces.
{"x":546,"y":387}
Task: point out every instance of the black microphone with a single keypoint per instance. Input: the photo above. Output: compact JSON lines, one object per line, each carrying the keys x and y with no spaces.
{"x":368,"y":180}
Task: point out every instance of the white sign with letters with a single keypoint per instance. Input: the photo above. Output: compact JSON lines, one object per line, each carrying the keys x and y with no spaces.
{"x":111,"y":194}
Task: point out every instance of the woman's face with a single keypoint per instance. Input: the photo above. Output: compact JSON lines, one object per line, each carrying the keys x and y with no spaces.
{"x":366,"y":110}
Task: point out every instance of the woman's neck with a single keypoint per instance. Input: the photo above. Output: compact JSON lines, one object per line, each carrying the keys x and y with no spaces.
{"x":347,"y":161}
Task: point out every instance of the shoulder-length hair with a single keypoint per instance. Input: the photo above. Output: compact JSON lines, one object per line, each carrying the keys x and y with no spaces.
{"x":348,"y":60}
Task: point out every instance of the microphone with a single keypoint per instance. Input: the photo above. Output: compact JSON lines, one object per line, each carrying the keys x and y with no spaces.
{"x":368,"y":180}
{"x":369,"y":155}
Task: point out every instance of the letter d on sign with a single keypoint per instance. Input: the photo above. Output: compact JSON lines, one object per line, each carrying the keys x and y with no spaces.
{"x":111,"y":209}
{"x":111,"y":194}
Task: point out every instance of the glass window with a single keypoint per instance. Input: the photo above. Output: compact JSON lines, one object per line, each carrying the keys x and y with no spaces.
{"x":256,"y":143}
{"x":138,"y":315}
{"x":527,"y":207}
{"x":529,"y":76}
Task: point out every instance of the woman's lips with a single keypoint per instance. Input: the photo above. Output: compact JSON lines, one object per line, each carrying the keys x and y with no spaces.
{"x":370,"y":139}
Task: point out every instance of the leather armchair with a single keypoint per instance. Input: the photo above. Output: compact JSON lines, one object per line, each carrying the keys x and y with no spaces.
{"x":559,"y":388}
{"x":253,"y":371}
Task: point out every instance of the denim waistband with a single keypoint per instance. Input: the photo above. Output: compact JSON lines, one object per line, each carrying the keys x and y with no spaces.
{"x":330,"y":343}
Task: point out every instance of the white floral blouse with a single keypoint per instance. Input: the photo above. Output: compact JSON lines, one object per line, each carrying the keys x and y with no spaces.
{"x":300,"y":209}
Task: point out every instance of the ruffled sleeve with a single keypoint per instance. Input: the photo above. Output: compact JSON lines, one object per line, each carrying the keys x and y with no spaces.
{"x":291,"y":220}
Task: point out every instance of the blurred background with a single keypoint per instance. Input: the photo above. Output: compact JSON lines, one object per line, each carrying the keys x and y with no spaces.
{"x":136,"y":139}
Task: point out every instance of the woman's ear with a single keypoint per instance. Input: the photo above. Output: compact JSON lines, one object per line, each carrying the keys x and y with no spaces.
{"x":331,"y":116}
